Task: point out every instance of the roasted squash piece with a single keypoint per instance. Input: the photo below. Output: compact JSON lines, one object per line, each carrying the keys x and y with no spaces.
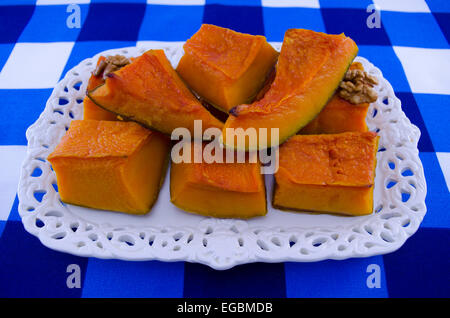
{"x":150,"y":92}
{"x":327,"y":173}
{"x":90,"y":110}
{"x":110,"y":165}
{"x":224,"y":190}
{"x":310,"y":68}
{"x":338,"y":116}
{"x":225,"y":67}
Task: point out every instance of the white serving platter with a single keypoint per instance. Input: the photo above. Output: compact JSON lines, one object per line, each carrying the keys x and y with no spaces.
{"x":170,"y":234}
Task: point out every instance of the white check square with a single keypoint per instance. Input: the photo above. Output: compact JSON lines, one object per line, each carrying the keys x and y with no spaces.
{"x":291,"y":3}
{"x":35,"y":65}
{"x":12,"y":158}
{"x":444,"y":162}
{"x":402,"y":5}
{"x":426,"y":69}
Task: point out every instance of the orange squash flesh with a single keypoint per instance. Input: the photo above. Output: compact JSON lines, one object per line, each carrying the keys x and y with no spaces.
{"x":150,"y":92}
{"x":327,"y":173}
{"x":224,"y":190}
{"x":90,"y":109}
{"x":225,"y":67}
{"x":310,"y":68}
{"x":110,"y":165}
{"x":339,"y":115}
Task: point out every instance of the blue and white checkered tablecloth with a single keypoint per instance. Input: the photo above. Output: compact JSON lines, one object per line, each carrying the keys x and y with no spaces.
{"x":411,"y":47}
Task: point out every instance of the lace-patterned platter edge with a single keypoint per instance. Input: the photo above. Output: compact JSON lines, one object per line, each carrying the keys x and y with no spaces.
{"x":399,"y":197}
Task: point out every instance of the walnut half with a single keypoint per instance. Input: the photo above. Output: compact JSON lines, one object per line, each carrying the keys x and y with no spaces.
{"x":356,"y":87}
{"x":110,"y":64}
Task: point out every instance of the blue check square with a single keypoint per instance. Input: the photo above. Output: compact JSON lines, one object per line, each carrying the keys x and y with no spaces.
{"x":14,"y":213}
{"x":113,"y":22}
{"x":55,"y":23}
{"x":235,"y":2}
{"x":437,"y":193}
{"x":355,"y":4}
{"x":13,"y":21}
{"x":22,"y":108}
{"x":170,"y":23}
{"x":17,"y":2}
{"x":2,"y":226}
{"x":409,"y":106}
{"x":354,"y":23}
{"x":278,"y":20}
{"x":421,"y":267}
{"x":413,"y":29}
{"x":5,"y":51}
{"x":346,"y":278}
{"x":118,"y":1}
{"x":242,"y":281}
{"x":133,"y":279}
{"x":246,"y":19}
{"x":443,"y":20}
{"x":439,"y":5}
{"x":435,"y":113}
{"x":29,"y":269}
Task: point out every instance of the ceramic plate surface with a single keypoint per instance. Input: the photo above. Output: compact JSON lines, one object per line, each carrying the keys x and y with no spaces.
{"x":170,"y":234}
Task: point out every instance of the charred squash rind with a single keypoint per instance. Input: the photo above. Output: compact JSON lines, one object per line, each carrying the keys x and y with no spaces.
{"x":104,"y":165}
{"x":225,"y":67}
{"x":150,"y":92}
{"x":338,"y":179}
{"x":289,"y":107}
{"x":208,"y":189}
